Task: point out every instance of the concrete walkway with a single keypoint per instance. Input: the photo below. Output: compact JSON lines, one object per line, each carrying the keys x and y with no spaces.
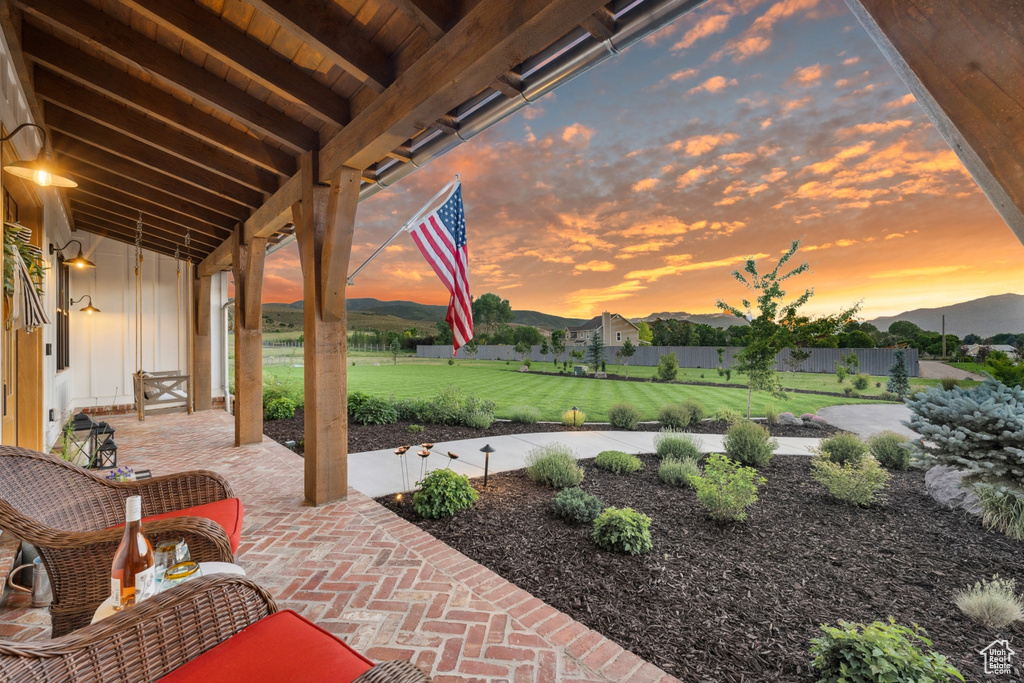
{"x":866,"y":420}
{"x":380,"y":473}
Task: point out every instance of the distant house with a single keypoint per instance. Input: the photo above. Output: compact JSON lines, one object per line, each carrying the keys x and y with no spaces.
{"x":971,"y":350}
{"x":615,"y":330}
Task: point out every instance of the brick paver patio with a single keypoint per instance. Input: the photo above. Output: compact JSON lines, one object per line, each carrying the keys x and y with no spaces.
{"x":386,"y":587}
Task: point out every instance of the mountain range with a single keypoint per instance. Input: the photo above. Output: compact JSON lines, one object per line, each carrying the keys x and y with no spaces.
{"x":986,"y":316}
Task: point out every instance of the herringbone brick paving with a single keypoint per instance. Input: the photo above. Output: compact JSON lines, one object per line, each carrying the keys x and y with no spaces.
{"x":387,"y":588}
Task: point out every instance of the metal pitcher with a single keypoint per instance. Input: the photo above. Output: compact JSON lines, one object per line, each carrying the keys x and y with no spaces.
{"x":42,"y":596}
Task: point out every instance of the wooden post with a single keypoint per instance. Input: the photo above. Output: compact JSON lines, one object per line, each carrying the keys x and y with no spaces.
{"x":962,"y":60}
{"x":202,"y":387}
{"x":324,"y":223}
{"x":247,"y":265}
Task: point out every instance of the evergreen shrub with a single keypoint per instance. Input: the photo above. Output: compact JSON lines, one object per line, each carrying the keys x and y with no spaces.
{"x":748,"y":443}
{"x":624,"y":416}
{"x":576,"y":506}
{"x":618,"y":462}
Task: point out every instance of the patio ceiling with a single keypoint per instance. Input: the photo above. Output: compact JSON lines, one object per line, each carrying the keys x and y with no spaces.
{"x":197,"y":113}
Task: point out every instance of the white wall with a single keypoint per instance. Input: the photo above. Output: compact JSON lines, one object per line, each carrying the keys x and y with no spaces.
{"x":104,"y":345}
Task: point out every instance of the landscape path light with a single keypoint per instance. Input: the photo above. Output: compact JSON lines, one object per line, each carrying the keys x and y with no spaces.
{"x":486,"y":450}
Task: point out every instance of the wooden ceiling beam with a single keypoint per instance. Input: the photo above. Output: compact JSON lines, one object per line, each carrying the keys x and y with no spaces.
{"x":331,"y":33}
{"x":219,"y":259}
{"x":73,"y":64}
{"x":114,"y":188}
{"x":145,"y":130}
{"x":104,"y":229}
{"x":435,"y":17}
{"x":509,"y":84}
{"x":230,"y":197}
{"x":132,"y":214}
{"x":209,"y":207}
{"x":600,"y":24}
{"x":150,"y":225}
{"x":105,"y":33}
{"x":491,"y":39}
{"x":197,"y":25}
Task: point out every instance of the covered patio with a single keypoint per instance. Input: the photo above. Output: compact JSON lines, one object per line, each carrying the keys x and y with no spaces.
{"x":387,"y":588}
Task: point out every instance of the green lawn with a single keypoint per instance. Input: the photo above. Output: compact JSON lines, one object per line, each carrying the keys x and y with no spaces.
{"x":971,"y":367}
{"x":552,"y":395}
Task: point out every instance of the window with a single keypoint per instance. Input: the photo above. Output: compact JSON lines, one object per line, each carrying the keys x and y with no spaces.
{"x":618,"y":336}
{"x":63,"y":304}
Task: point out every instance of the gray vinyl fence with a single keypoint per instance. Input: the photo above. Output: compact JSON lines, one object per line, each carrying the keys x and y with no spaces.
{"x":872,"y":361}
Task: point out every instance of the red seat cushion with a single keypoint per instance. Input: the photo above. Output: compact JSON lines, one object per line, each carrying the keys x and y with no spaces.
{"x":227,"y":513}
{"x":281,"y":647}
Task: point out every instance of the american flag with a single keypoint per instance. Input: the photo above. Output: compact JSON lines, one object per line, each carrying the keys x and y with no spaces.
{"x":441,"y":238}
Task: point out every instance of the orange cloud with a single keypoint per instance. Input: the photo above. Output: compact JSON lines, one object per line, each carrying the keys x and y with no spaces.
{"x":694,"y":174}
{"x":707,"y":26}
{"x":683,"y":263}
{"x":702,"y":144}
{"x":808,"y":75}
{"x":646,"y":184}
{"x":595,"y":266}
{"x":577,"y":132}
{"x":713,"y":85}
{"x":900,"y":102}
{"x":851,"y":61}
{"x":758,"y":38}
{"x":683,"y":75}
{"x":872,"y":128}
{"x":793,"y":105}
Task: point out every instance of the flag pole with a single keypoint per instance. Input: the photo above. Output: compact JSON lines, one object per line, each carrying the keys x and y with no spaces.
{"x":404,"y":227}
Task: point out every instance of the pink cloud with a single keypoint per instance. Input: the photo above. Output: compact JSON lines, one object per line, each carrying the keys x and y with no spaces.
{"x":713,"y":85}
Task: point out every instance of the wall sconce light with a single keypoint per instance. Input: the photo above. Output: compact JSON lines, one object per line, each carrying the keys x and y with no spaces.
{"x":79,"y":261}
{"x":89,"y":308}
{"x":42,"y":171}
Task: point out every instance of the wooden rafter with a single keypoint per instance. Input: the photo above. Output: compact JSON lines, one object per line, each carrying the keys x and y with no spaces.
{"x":600,"y":24}
{"x":435,"y":17}
{"x":144,"y":129}
{"x":197,"y":25}
{"x":102,"y":32}
{"x":149,"y":241}
{"x":154,"y":226}
{"x":229,"y":195}
{"x":489,"y":41}
{"x":97,"y":75}
{"x":129,"y":176}
{"x":327,"y":30}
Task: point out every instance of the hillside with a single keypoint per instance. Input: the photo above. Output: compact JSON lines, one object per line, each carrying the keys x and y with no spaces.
{"x":368,"y":313}
{"x":713,"y":319}
{"x":987,"y":316}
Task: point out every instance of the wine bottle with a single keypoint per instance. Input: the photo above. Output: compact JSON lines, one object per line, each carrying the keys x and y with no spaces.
{"x":132,"y":573}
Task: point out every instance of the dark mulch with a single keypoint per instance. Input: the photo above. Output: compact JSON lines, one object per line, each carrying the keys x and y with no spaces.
{"x":740,"y":603}
{"x":375,"y":437}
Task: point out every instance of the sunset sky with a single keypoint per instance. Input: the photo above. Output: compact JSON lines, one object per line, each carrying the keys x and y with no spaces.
{"x":640,"y":185}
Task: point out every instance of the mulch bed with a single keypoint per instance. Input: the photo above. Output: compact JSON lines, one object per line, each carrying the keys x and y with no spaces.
{"x":741,"y":602}
{"x":375,"y":437}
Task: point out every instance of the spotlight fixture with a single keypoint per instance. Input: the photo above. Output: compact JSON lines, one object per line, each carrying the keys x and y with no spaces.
{"x":79,"y":261}
{"x":42,"y":171}
{"x":88,"y":308}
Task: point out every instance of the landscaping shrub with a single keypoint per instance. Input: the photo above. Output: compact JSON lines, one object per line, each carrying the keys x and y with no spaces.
{"x":623,"y":531}
{"x":976,"y":429}
{"x":355,"y":399}
{"x":728,"y":415}
{"x":843,"y":448}
{"x":890,"y":449}
{"x":443,"y":493}
{"x":624,"y":416}
{"x":524,"y":414}
{"x":668,"y":367}
{"x":855,"y":482}
{"x":898,"y":383}
{"x":695,"y":409}
{"x":948,"y":383}
{"x":574,"y":418}
{"x":855,"y":653}
{"x":415,"y":429}
{"x":478,"y":419}
{"x":848,"y":391}
{"x":618,"y":462}
{"x":410,"y":409}
{"x":1001,"y":510}
{"x":771,"y":414}
{"x":671,"y":445}
{"x":445,"y":408}
{"x":862,"y":382}
{"x":888,"y":396}
{"x":280,"y":409}
{"x":749,"y":443}
{"x":673,"y":416}
{"x":727,"y":489}
{"x":374,"y":410}
{"x":679,"y":472}
{"x":576,"y":506}
{"x":991,"y":603}
{"x":554,"y":465}
{"x":841,"y":373}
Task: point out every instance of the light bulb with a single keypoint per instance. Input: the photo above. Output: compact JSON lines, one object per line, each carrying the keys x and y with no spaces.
{"x":80,"y":265}
{"x":42,"y":178}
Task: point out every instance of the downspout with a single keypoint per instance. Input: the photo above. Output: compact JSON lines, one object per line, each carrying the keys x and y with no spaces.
{"x":226,"y":379}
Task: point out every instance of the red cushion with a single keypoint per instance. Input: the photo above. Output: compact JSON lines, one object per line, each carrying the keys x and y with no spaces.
{"x":227,"y":513}
{"x":281,"y":647}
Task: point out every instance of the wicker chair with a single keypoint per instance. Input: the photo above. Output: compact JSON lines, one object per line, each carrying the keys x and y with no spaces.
{"x":68,"y":513}
{"x":154,"y":638}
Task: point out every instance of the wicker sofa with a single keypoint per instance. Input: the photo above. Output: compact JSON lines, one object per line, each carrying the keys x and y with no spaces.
{"x":218,"y":627}
{"x":71,"y":516}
